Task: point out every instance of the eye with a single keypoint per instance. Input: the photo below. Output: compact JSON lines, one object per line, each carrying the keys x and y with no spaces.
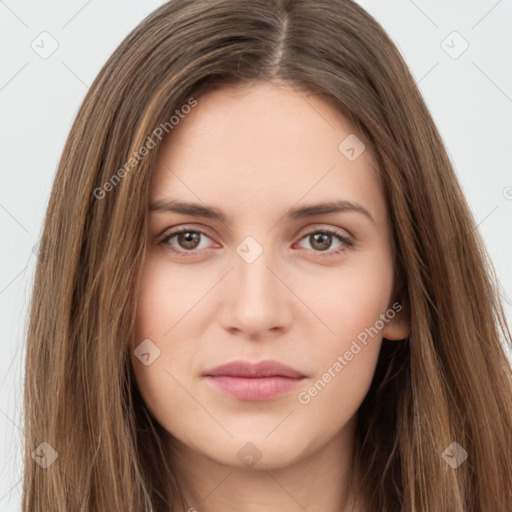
{"x":188,"y":240}
{"x":321,"y":240}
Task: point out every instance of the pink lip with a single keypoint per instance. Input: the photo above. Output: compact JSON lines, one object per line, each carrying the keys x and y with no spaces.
{"x":254,"y":381}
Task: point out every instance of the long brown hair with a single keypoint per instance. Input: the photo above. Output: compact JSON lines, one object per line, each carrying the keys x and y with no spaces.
{"x":450,"y":381}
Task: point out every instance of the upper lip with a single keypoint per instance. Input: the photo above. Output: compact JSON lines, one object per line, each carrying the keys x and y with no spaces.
{"x":268,"y":368}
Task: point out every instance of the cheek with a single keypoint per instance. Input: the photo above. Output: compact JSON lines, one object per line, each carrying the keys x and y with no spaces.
{"x":350,"y":307}
{"x":165,"y":317}
{"x":345,"y":361}
{"x":165,"y":297}
{"x":156,"y":309}
{"x":348,"y":301}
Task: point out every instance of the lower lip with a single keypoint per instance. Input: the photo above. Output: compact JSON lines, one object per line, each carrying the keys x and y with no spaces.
{"x":253,"y":388}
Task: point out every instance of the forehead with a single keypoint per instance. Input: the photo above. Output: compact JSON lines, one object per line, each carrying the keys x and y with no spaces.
{"x":261,"y":145}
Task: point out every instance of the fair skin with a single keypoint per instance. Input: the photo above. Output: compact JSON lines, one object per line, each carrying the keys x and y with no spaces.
{"x":253,"y":153}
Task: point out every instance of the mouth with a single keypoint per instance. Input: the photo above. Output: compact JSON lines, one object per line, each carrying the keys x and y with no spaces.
{"x":254,"y":381}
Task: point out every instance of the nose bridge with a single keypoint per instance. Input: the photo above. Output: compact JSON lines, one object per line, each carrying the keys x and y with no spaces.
{"x":252,"y":274}
{"x":256,"y":298}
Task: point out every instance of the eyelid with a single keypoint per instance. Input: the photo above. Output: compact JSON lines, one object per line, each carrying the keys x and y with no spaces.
{"x":204,"y":230}
{"x":174,"y":230}
{"x":325,"y":227}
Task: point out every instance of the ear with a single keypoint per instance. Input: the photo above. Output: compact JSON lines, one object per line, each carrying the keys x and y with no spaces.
{"x":398,"y":326}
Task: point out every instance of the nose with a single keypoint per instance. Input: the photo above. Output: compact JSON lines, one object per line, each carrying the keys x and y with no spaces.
{"x":256,"y":300}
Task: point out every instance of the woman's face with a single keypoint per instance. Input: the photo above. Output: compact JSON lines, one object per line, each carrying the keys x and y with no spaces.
{"x":264,"y":282}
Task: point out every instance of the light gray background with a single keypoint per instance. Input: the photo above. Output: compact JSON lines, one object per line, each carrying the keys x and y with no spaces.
{"x":470,"y":98}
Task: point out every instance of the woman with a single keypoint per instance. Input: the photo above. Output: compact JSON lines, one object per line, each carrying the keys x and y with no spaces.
{"x":267,"y":290}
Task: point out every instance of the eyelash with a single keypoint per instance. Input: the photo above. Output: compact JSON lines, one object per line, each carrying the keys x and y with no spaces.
{"x":347,"y":243}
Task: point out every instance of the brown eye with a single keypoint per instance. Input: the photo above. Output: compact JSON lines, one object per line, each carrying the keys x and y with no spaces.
{"x":320,"y":241}
{"x":187,"y":240}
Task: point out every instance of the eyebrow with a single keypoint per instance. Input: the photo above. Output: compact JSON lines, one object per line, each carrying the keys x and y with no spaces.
{"x":200,"y":210}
